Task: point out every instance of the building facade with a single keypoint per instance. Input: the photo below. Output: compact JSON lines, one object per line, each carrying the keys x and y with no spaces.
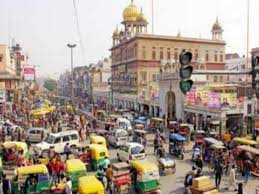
{"x":137,"y":58}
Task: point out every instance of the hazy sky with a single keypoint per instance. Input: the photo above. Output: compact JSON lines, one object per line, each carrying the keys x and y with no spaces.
{"x":44,"y":27}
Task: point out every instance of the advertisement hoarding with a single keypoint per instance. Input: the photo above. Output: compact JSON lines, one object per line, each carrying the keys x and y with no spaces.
{"x":29,"y":73}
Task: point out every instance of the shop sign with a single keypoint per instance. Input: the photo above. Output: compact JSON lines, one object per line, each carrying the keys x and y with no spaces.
{"x":214,"y":100}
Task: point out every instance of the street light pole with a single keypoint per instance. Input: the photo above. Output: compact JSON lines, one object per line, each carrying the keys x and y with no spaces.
{"x":71,"y":46}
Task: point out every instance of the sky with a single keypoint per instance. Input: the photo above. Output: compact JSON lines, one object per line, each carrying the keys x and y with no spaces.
{"x":43,"y":28}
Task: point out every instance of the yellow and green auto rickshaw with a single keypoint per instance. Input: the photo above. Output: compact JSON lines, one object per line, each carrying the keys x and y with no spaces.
{"x":90,"y":185}
{"x":96,"y":139}
{"x":97,"y":154}
{"x":145,"y":176}
{"x":1,"y":168}
{"x":75,"y":169}
{"x":31,"y":179}
{"x":11,"y":148}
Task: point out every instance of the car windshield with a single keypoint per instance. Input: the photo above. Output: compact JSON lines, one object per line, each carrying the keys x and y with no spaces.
{"x":124,"y":124}
{"x":50,"y":139}
{"x":137,"y":150}
{"x":122,"y":133}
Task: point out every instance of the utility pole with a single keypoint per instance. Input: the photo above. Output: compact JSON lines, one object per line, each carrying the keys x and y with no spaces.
{"x":152,"y":5}
{"x":71,"y":46}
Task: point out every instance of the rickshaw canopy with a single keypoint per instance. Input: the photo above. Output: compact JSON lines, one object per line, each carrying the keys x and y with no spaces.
{"x":249,"y":149}
{"x":217,"y":146}
{"x":142,"y":118}
{"x":157,"y":119}
{"x":34,"y":169}
{"x":143,"y":166}
{"x":211,"y":140}
{"x":90,"y":185}
{"x":244,"y":141}
{"x":177,"y":137}
{"x":98,"y":151}
{"x":73,"y":165}
{"x":140,"y":131}
{"x":96,"y":139}
{"x":15,"y":144}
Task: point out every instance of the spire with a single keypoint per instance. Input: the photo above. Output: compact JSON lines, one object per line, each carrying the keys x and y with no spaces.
{"x":179,"y":34}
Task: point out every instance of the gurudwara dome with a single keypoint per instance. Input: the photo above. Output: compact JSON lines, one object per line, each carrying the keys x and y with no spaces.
{"x":131,"y":12}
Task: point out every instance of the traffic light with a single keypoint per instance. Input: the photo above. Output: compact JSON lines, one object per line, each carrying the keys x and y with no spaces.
{"x":255,"y":72}
{"x":185,"y":71}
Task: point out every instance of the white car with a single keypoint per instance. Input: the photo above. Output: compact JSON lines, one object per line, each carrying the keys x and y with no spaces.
{"x":125,"y":124}
{"x":34,"y":134}
{"x":131,"y":151}
{"x":58,"y":141}
{"x":118,"y":137}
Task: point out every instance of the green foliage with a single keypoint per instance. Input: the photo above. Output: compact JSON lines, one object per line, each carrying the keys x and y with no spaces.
{"x":50,"y":84}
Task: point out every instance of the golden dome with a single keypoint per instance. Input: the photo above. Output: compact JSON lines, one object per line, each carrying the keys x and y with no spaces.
{"x":131,"y":12}
{"x":216,"y":26}
{"x":141,"y":17}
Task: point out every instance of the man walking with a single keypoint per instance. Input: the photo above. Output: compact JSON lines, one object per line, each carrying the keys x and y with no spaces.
{"x":218,"y":173}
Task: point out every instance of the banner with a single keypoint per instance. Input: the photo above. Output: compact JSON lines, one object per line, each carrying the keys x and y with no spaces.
{"x":29,"y":73}
{"x":214,"y":100}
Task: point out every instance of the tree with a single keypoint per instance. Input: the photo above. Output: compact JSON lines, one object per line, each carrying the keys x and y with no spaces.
{"x":50,"y":84}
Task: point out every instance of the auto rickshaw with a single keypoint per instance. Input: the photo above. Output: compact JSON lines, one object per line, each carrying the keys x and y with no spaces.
{"x":97,"y":154}
{"x":138,"y":134}
{"x":96,"y":139}
{"x":199,"y":137}
{"x":209,"y":141}
{"x":246,"y":153}
{"x":156,"y":123}
{"x":36,"y":177}
{"x":90,"y":185}
{"x":145,"y":176}
{"x":121,"y":177}
{"x":172,"y":126}
{"x":100,"y":115}
{"x":75,"y":168}
{"x":176,"y":145}
{"x":12,"y":148}
{"x":1,"y":168}
{"x":244,"y":141}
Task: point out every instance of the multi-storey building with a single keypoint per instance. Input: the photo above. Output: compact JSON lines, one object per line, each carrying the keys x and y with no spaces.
{"x":137,"y":56}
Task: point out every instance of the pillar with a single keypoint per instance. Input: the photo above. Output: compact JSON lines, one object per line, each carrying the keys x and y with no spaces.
{"x":197,"y":121}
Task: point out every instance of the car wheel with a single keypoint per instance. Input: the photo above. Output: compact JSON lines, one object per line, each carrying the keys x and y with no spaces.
{"x":45,"y":153}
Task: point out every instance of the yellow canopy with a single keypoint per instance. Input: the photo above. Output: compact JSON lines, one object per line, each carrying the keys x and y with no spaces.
{"x":157,"y":119}
{"x":90,"y":184}
{"x":96,"y":139}
{"x":98,"y":151}
{"x":40,"y":111}
{"x":34,"y":169}
{"x":15,"y":144}
{"x":46,"y":101}
{"x":244,"y":141}
{"x":73,"y":165}
{"x":144,"y":166}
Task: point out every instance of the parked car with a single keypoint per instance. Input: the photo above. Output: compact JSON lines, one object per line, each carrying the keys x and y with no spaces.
{"x":35,"y":134}
{"x":131,"y":151}
{"x":58,"y":141}
{"x":118,"y":137}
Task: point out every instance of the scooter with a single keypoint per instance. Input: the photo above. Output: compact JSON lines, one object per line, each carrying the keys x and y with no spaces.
{"x":178,"y":152}
{"x":196,"y":152}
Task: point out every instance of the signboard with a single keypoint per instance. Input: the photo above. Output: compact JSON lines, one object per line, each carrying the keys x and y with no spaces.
{"x":214,"y":100}
{"x":29,"y":73}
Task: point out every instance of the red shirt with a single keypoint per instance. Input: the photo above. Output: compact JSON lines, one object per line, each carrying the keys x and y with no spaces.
{"x":58,"y":167}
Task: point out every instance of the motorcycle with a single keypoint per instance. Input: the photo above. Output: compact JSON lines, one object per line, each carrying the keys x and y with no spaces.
{"x":196,"y":152}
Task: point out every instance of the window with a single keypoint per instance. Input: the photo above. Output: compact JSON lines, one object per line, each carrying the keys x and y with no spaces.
{"x":32,"y":132}
{"x":221,"y":58}
{"x":57,"y":140}
{"x":168,"y":54}
{"x":143,"y":52}
{"x":207,"y":56}
{"x":215,"y":79}
{"x":154,"y":77}
{"x":221,"y":78}
{"x":196,"y":55}
{"x":74,"y":137}
{"x":154,"y":53}
{"x":161,"y":54}
{"x":1,"y":57}
{"x":216,"y":56}
{"x":66,"y":138}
